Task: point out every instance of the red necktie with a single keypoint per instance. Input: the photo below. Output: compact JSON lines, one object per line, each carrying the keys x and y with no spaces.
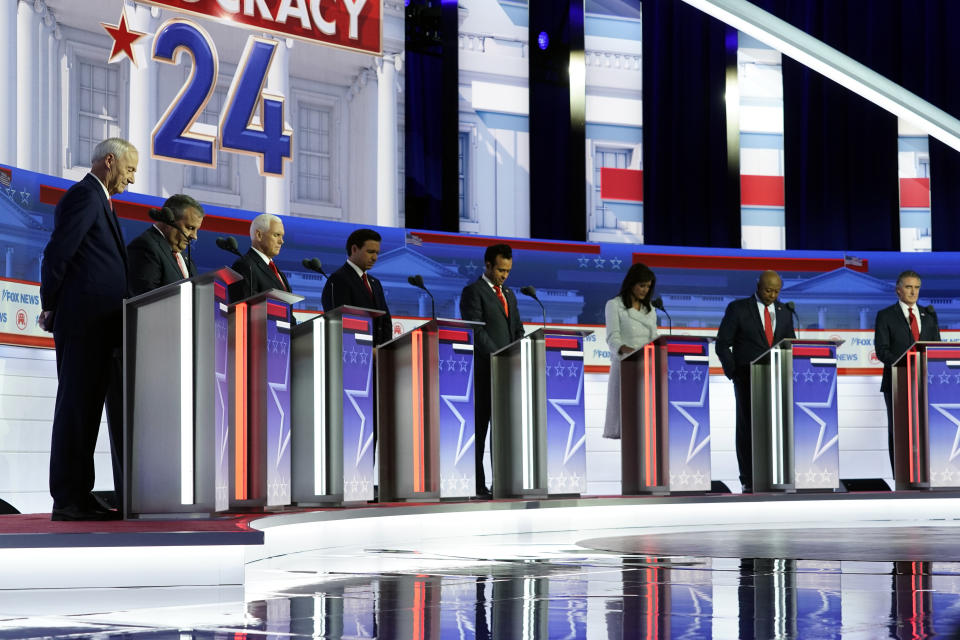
{"x":503,"y":300}
{"x":767,"y":325}
{"x":366,"y":283}
{"x":276,"y":272}
{"x":181,"y":264}
{"x":914,"y":329}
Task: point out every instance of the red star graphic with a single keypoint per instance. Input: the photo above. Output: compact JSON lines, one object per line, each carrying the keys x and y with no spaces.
{"x":123,"y":39}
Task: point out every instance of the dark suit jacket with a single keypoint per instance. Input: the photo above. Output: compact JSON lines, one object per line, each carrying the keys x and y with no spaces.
{"x":479,"y":302}
{"x":741,"y":338}
{"x":152,"y":264}
{"x":257,"y":277}
{"x":892,"y":337}
{"x":344,"y":287}
{"x":84,"y":274}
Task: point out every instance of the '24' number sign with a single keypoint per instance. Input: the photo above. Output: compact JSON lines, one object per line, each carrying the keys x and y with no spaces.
{"x":268,"y":138}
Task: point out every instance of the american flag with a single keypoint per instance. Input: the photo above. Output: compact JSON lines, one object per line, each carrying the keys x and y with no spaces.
{"x":6,"y":176}
{"x":852,"y":261}
{"x":414,"y":239}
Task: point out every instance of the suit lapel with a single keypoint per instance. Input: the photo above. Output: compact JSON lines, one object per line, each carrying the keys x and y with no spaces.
{"x":754,"y":312}
{"x":164,"y":247}
{"x":112,"y":220}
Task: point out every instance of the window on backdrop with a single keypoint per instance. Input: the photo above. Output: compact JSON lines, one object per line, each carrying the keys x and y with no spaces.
{"x":314,"y":153}
{"x":97,"y":108}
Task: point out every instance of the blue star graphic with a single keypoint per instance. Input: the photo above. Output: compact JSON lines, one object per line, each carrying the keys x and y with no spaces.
{"x":808,"y":407}
{"x":682,"y":374}
{"x":584,"y":262}
{"x":464,"y":441}
{"x":944,"y":409}
{"x":945,"y":377}
{"x":694,"y":447}
{"x":808,"y":376}
{"x":278,"y":389}
{"x":364,"y":440}
{"x":615,"y":263}
{"x":598,"y":262}
{"x":574,"y":443}
{"x":464,"y":364}
{"x":824,"y":376}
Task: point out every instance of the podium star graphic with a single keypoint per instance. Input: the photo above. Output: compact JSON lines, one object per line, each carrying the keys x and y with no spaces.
{"x":694,"y":447}
{"x":558,"y":404}
{"x":449,"y":399}
{"x":808,"y":407}
{"x":123,"y":39}
{"x":364,"y":440}
{"x":944,"y":408}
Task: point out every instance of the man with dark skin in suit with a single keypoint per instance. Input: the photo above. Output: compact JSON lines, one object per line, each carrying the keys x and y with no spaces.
{"x":750,"y":326}
{"x":488,"y":300}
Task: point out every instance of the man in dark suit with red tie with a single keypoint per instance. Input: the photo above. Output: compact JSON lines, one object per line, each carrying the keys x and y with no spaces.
{"x":352,"y":285}
{"x":489,"y":301}
{"x":83,"y":282}
{"x":257,"y":266}
{"x":750,"y":326}
{"x":156,"y":256}
{"x":896,"y":328}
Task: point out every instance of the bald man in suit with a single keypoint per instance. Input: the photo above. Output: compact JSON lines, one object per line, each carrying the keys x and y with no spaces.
{"x":750,"y":326}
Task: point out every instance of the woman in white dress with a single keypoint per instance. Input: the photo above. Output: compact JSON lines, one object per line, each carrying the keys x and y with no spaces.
{"x":631,"y":323}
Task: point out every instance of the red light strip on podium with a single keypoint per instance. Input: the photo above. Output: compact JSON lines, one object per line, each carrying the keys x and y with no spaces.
{"x":679,"y":347}
{"x":356,"y":324}
{"x":240,"y":394}
{"x":943,"y":354}
{"x":913,"y":428}
{"x":649,"y":454}
{"x":561,"y":343}
{"x":452,"y":335}
{"x":416,"y":356}
{"x":812,"y":352}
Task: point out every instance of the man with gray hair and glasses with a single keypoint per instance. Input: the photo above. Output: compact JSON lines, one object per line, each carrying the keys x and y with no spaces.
{"x":83,"y":282}
{"x":257,"y":267}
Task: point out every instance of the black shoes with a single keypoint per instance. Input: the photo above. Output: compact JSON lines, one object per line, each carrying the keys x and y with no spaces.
{"x":92,"y":510}
{"x":484,"y":494}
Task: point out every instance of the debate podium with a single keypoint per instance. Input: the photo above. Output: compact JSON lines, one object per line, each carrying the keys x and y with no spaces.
{"x":259,"y":444}
{"x":176,"y":413}
{"x":925,"y":386}
{"x":333,"y":418}
{"x":665,"y":416}
{"x":795,"y":425}
{"x":537,"y":415}
{"x":425,"y":407}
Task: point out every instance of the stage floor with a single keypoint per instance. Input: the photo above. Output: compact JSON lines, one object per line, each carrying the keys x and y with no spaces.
{"x":853,"y":566}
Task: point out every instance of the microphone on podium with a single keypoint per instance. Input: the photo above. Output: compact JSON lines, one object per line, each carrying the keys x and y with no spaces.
{"x":314,"y":264}
{"x":530,"y":291}
{"x":657,"y":303}
{"x":793,"y":310}
{"x":228,"y":243}
{"x":417,"y":281}
{"x":164,"y":215}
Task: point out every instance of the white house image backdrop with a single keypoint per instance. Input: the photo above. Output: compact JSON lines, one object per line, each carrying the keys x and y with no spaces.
{"x":344,"y":108}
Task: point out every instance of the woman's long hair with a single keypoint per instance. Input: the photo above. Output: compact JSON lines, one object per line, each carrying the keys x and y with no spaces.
{"x":637,"y":273}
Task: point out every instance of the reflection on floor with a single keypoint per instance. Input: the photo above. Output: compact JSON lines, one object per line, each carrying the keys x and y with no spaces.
{"x":548,"y":586}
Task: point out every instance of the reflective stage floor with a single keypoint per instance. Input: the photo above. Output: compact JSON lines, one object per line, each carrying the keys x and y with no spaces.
{"x":879,"y":577}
